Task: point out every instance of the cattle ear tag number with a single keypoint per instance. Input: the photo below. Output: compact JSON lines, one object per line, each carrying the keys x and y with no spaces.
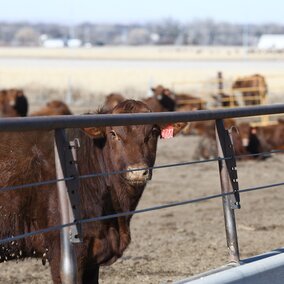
{"x":167,"y":132}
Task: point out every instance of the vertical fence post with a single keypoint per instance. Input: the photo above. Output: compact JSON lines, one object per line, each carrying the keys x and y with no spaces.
{"x":220,"y":87}
{"x":229,"y":184}
{"x":69,"y":206}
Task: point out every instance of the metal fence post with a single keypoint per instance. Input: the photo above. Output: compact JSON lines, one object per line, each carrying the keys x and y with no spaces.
{"x":65,"y":164}
{"x":229,"y":184}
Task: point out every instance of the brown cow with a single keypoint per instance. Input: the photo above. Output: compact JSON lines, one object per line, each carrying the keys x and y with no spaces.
{"x":187,"y":102}
{"x":112,"y":100}
{"x":162,"y":100}
{"x":207,"y":146}
{"x":30,"y":158}
{"x":253,"y":88}
{"x":54,"y":107}
{"x":263,"y":138}
{"x":225,"y":100}
{"x":166,"y":100}
{"x":13,"y":103}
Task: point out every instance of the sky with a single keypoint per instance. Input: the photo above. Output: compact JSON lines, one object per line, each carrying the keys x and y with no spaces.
{"x":132,"y":11}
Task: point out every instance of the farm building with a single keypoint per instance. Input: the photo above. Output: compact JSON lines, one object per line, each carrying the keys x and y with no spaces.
{"x":271,"y":42}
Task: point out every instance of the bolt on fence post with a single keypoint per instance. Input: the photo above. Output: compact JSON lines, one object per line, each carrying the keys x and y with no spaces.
{"x":68,"y":269}
{"x":229,"y":184}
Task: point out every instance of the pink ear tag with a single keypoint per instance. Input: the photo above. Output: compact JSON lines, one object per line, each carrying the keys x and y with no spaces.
{"x":167,"y":132}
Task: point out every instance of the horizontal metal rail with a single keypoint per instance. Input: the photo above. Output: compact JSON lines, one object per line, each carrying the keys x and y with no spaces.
{"x":79,"y":121}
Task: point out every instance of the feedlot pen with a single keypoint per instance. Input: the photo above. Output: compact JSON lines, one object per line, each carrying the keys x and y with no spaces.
{"x":230,"y":193}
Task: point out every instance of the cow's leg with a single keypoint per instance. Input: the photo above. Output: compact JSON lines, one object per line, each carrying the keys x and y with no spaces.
{"x":54,"y":261}
{"x":91,"y":274}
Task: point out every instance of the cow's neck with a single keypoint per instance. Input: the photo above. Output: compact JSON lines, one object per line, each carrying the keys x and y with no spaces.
{"x":124,"y":196}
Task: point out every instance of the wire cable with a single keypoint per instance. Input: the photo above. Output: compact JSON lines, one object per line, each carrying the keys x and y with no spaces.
{"x":123,"y":214}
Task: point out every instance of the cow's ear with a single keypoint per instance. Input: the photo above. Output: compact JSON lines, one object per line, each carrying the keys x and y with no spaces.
{"x":171,"y":130}
{"x":95,"y":132}
{"x":178,"y":127}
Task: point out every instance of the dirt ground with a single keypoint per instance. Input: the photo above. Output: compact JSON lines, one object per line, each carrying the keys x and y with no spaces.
{"x":175,"y":243}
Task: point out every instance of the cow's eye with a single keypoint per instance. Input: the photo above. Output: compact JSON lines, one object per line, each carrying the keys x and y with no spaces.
{"x":113,"y":134}
{"x":155,"y":131}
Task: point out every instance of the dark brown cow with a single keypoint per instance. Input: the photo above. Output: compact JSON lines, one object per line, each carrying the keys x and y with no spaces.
{"x":166,"y":100}
{"x":253,"y":88}
{"x":112,"y":100}
{"x":187,"y":102}
{"x":207,"y":127}
{"x":207,"y":147}
{"x":30,"y":158}
{"x":225,"y":100}
{"x":162,"y":100}
{"x":263,"y":138}
{"x":13,"y":103}
{"x":54,"y":107}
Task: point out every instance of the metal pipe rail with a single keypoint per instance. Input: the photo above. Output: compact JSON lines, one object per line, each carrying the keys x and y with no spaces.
{"x":78,"y":121}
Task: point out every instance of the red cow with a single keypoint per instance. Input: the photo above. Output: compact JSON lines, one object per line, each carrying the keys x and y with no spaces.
{"x":253,"y":88}
{"x":54,"y":107}
{"x":13,"y":103}
{"x":112,"y":100}
{"x":30,"y":158}
{"x":166,"y":100}
{"x":162,"y":100}
{"x":225,"y":100}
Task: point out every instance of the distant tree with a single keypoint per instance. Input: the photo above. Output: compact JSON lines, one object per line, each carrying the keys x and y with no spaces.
{"x":165,"y":31}
{"x":138,"y":36}
{"x":168,"y":31}
{"x":26,"y":36}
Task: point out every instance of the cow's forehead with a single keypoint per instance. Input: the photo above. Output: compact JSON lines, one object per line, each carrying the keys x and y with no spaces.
{"x":132,"y":130}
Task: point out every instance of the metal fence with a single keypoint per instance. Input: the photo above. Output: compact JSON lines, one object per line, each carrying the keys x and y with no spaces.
{"x":68,"y":179}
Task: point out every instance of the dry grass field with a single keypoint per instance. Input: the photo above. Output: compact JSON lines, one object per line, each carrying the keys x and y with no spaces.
{"x":90,"y":74}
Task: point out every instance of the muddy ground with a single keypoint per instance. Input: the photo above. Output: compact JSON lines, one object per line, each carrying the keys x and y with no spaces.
{"x":175,"y":243}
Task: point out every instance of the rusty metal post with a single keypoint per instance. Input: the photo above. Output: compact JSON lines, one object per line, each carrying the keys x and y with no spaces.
{"x":229,"y":184}
{"x":69,"y":208}
{"x":220,"y":83}
{"x":220,"y":87}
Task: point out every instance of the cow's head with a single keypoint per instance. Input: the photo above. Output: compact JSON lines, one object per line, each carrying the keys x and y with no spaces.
{"x":131,"y":147}
{"x":112,"y":100}
{"x":13,"y":102}
{"x":18,"y":101}
{"x":165,"y":97}
{"x":55,"y":107}
{"x":238,"y":84}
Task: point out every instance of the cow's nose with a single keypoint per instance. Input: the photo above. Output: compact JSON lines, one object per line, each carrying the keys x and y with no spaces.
{"x":138,"y":173}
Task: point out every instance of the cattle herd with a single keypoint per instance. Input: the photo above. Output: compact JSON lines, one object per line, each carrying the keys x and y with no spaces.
{"x":28,"y":157}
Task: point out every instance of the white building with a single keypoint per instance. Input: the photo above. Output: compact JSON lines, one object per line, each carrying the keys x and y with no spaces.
{"x":53,"y":43}
{"x":271,"y":42}
{"x":74,"y":42}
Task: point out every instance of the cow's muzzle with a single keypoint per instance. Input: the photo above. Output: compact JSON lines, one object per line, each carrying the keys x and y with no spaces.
{"x":138,"y":174}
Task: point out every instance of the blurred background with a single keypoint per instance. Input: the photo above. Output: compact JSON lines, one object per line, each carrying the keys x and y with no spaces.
{"x":80,"y":51}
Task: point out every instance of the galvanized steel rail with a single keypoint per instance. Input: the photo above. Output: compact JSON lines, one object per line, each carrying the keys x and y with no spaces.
{"x":78,"y":121}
